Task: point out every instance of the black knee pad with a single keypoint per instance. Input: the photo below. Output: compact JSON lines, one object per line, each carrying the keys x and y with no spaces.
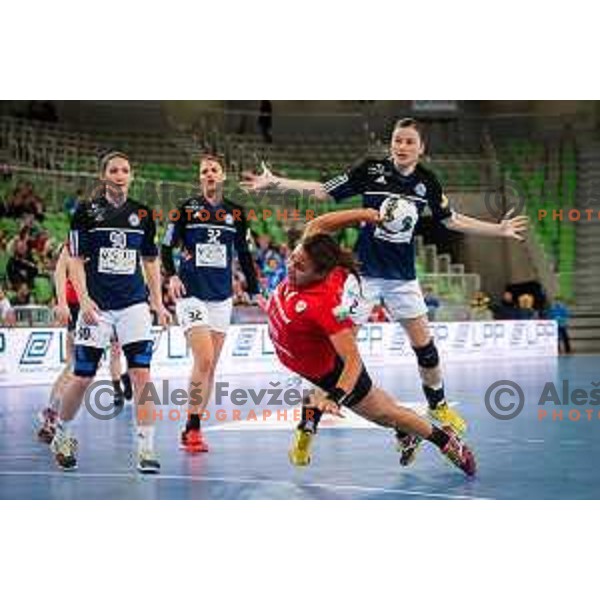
{"x":427,"y":356}
{"x":138,"y":354}
{"x":87,"y":360}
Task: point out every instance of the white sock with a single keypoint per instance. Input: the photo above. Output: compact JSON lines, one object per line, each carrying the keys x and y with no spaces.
{"x":145,"y":435}
{"x":54,"y":403}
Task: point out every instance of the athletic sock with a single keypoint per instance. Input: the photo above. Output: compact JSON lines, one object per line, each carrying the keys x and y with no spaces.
{"x":145,"y":435}
{"x":54,"y":404}
{"x":117,"y":386}
{"x":439,"y":437}
{"x":193,"y":422}
{"x":310,"y":419}
{"x":434,"y":394}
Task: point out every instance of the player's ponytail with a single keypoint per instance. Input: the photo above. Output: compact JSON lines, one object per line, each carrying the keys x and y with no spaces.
{"x":326,"y":254}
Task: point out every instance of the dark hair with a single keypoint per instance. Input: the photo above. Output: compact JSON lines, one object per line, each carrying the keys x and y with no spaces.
{"x":410,"y":122}
{"x":326,"y":254}
{"x":213,"y":157}
{"x":106,"y":158}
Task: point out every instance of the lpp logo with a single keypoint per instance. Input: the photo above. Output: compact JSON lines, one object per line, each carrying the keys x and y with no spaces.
{"x":36,"y":348}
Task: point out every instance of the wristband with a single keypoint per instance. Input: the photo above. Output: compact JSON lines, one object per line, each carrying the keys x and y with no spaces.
{"x":337,"y":395}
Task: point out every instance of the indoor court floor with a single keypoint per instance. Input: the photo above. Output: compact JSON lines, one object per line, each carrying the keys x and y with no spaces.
{"x":521,"y":458}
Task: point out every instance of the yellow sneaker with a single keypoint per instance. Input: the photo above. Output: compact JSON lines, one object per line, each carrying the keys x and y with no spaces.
{"x":448,"y":416}
{"x":299,"y":453}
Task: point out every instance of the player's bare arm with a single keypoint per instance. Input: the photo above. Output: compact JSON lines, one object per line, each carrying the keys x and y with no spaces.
{"x":252,"y":182}
{"x":334,"y":221}
{"x":153,"y":278}
{"x":89,"y":309}
{"x":509,"y":227}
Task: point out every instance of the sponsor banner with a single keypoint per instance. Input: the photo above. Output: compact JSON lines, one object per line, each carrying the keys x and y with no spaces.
{"x":37,"y":356}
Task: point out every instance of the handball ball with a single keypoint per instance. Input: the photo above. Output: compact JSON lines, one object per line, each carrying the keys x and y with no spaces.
{"x":397,"y":215}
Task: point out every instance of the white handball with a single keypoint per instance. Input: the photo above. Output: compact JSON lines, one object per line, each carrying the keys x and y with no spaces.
{"x":398,"y":215}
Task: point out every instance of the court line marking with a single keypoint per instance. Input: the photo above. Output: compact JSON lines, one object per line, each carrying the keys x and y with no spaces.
{"x":238,"y":480}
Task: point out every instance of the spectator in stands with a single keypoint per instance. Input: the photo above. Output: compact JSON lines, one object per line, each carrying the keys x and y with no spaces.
{"x":431,"y":301}
{"x":274,"y":271}
{"x":263,"y":243}
{"x":33,"y":204}
{"x":559,"y":312}
{"x":42,"y":252}
{"x":20,"y":267}
{"x":72,"y":201}
{"x":15,"y":206}
{"x":480,"y":307}
{"x":505,"y":309}
{"x":7,"y":314}
{"x":265,"y":120}
{"x":240,"y":295}
{"x":24,"y":202}
{"x":526,"y":308}
{"x":23,"y":295}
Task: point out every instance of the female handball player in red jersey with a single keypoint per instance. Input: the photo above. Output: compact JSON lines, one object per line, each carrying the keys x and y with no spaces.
{"x":314,"y":337}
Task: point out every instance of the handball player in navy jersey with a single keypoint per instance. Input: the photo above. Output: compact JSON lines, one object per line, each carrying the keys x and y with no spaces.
{"x":112,"y":240}
{"x":209,"y":230}
{"x":387,"y":258}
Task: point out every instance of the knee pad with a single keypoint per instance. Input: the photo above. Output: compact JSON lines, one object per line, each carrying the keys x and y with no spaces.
{"x":138,"y":354}
{"x":427,"y":356}
{"x":87,"y":360}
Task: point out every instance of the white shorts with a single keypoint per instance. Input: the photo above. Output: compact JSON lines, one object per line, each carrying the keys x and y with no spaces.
{"x":128,"y":325}
{"x":404,"y":299}
{"x":193,"y":312}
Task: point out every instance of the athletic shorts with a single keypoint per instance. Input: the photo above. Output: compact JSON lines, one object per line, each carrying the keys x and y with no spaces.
{"x":403,"y":299}
{"x":193,"y":312}
{"x":329,"y":381}
{"x":74,"y":310}
{"x":128,"y":325}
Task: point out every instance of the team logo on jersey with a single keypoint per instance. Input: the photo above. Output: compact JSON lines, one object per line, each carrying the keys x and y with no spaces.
{"x":134,"y":220}
{"x":381,"y":180}
{"x":229,"y":219}
{"x":420,"y":189}
{"x":301,"y":306}
{"x":376,"y":169}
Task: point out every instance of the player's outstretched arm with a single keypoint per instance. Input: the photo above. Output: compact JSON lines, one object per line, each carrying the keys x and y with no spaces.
{"x":336,"y":220}
{"x":266,"y":181}
{"x":509,"y":227}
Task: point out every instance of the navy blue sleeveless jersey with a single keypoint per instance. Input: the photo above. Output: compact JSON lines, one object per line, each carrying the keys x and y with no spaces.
{"x":112,"y":243}
{"x":209,"y":235}
{"x":382,"y":254}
